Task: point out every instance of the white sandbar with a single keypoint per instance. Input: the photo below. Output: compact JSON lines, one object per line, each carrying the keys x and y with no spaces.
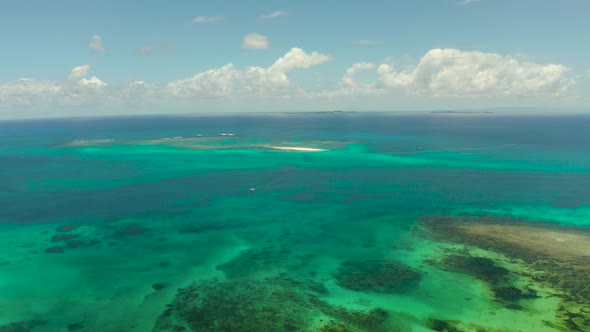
{"x":297,"y":148}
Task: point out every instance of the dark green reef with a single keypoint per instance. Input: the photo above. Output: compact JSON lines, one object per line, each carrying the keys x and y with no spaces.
{"x":533,"y":249}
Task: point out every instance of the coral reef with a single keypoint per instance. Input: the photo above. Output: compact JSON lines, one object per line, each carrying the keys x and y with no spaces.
{"x":201,"y":229}
{"x":26,"y":326}
{"x":130,"y":230}
{"x":69,"y":240}
{"x":158,"y":286}
{"x":76,"y":244}
{"x":498,"y":279}
{"x":275,"y":304}
{"x":480,"y":267}
{"x":377,"y":276}
{"x":55,"y":250}
{"x":441,"y":325}
{"x":76,"y":326}
{"x":553,"y":255}
{"x":260,"y":260}
{"x":66,"y":228}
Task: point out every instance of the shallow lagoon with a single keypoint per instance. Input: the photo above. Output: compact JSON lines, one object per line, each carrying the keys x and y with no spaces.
{"x":374,"y":222}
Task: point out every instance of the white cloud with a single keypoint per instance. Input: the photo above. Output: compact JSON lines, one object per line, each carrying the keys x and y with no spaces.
{"x":212,"y":83}
{"x":297,"y":58}
{"x":348,"y":80}
{"x":255,"y":41}
{"x":92,"y":82}
{"x":78,"y":75}
{"x":96,"y":44}
{"x":272,"y":15}
{"x":140,"y":92}
{"x":454,"y":72}
{"x":274,"y":78}
{"x":79,"y":90}
{"x":439,"y":75}
{"x":228,"y":80}
{"x":28,"y":92}
{"x":207,"y":19}
{"x":366,"y":42}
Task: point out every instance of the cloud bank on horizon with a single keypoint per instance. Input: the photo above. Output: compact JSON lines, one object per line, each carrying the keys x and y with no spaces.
{"x":440,"y":72}
{"x":455,"y":75}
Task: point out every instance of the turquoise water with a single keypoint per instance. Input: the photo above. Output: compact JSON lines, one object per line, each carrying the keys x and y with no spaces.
{"x":275,"y":222}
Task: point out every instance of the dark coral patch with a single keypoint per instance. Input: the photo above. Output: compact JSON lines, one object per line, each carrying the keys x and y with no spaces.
{"x":63,"y":237}
{"x":25,"y":326}
{"x":66,"y":228}
{"x":55,"y":250}
{"x":200,"y":229}
{"x":332,"y":326}
{"x":562,"y":265}
{"x":497,"y":278}
{"x":250,"y":262}
{"x":158,"y":286}
{"x":513,"y":294}
{"x":191,"y":229}
{"x":277,"y":304}
{"x":76,"y":326}
{"x":442,"y":325}
{"x":377,"y":276}
{"x":131,"y":230}
{"x":76,"y":244}
{"x":480,"y":267}
{"x":234,"y":307}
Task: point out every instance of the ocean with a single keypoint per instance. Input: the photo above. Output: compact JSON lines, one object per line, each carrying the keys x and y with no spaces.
{"x":442,"y":221}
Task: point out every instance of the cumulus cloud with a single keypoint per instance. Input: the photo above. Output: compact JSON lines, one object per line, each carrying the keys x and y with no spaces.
{"x":78,"y":75}
{"x":297,"y":58}
{"x":96,"y":44}
{"x":272,"y":15}
{"x":448,"y":73}
{"x":255,"y":41}
{"x":140,"y":92}
{"x":458,"y":73}
{"x":228,"y":80}
{"x":92,"y":82}
{"x":27,"y":92}
{"x":78,"y":90}
{"x":209,"y":84}
{"x":348,"y":80}
{"x":207,"y":19}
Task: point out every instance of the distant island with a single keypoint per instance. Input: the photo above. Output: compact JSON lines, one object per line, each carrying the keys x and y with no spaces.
{"x":463,"y":112}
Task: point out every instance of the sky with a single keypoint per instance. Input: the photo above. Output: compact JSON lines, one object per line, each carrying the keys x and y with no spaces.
{"x":89,"y":58}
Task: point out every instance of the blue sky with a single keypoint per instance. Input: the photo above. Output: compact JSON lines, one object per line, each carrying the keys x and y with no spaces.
{"x":115,"y":57}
